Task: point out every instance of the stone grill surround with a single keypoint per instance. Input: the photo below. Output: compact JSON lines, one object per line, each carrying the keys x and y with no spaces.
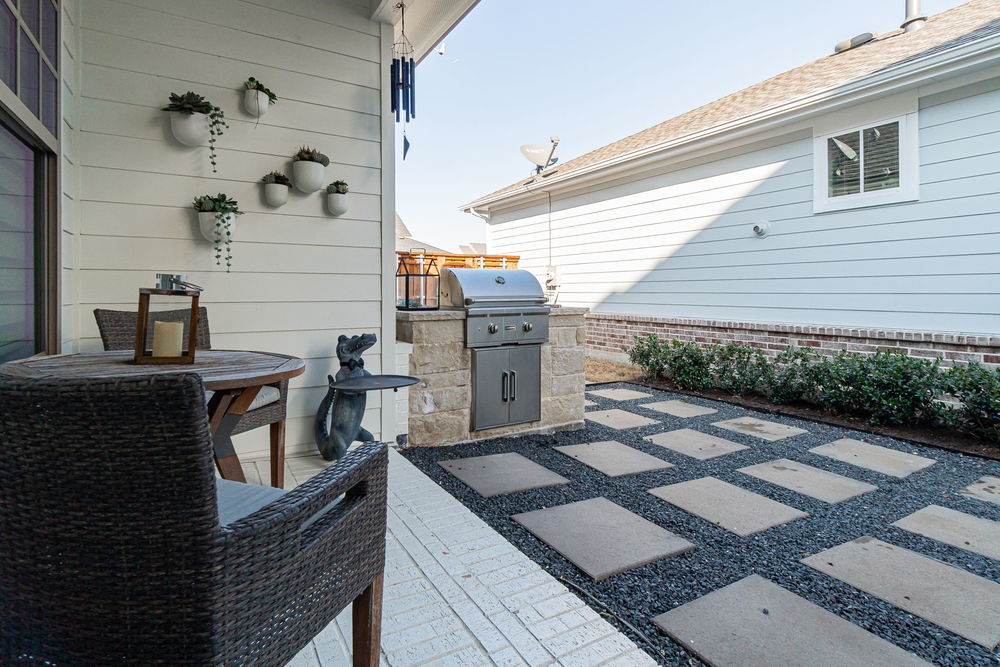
{"x":440,"y":406}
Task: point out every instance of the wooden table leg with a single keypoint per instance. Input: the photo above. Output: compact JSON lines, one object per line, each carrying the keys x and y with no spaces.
{"x":224,"y":412}
{"x":366,"y":622}
{"x":278,"y":454}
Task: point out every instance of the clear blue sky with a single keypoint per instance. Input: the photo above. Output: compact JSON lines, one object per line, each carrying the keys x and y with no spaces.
{"x":517,"y":71}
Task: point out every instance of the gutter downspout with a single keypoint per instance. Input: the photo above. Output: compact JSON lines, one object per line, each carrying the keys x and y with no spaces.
{"x":485,"y":217}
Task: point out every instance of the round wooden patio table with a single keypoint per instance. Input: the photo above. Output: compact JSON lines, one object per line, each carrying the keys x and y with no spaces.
{"x":235,"y":377}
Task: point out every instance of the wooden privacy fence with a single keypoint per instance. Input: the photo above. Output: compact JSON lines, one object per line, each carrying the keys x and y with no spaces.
{"x":416,"y":261}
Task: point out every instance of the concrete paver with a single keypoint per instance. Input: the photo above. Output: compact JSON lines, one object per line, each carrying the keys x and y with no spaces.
{"x":600,"y":537}
{"x":955,"y":599}
{"x":755,"y":622}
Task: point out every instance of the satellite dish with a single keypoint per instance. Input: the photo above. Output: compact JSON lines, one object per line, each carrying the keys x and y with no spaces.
{"x":541,"y":156}
{"x":538,"y":155}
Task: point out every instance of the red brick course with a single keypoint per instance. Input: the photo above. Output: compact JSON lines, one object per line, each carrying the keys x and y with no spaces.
{"x":610,"y":333}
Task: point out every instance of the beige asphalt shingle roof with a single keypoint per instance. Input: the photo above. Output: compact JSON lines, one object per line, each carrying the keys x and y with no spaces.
{"x":965,"y":23}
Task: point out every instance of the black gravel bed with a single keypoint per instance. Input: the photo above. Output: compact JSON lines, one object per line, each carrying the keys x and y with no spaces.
{"x":720,"y":557}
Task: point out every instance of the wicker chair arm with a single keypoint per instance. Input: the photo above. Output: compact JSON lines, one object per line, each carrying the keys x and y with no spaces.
{"x":360,"y":477}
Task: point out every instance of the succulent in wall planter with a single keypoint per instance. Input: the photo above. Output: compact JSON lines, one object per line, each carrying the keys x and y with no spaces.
{"x":257,"y":98}
{"x":276,"y":186}
{"x":309,"y":169}
{"x":195,"y":121}
{"x":336,"y":197}
{"x":217,"y":220}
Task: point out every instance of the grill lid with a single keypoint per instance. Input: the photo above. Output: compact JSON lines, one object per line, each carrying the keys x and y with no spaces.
{"x":481,"y":288}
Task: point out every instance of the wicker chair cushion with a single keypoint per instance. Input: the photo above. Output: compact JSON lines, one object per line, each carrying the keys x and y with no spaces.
{"x":236,"y":500}
{"x":266,"y":396}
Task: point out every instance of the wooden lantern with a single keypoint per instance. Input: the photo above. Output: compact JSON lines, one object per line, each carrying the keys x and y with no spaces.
{"x":142,"y":326}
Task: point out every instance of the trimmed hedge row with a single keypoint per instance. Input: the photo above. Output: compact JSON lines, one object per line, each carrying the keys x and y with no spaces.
{"x":886,"y":388}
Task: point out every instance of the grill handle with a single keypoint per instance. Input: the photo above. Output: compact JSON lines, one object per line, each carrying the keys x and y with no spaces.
{"x":513,"y":385}
{"x":503,"y":386}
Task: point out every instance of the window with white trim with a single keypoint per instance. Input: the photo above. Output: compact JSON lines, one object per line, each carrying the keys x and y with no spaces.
{"x":870,"y":165}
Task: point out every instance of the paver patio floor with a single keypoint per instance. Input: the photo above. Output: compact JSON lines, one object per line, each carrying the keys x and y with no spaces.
{"x":457,"y":592}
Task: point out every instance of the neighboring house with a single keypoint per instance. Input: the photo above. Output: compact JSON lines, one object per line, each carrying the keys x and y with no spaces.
{"x":850,"y":203}
{"x":405,"y":241}
{"x":95,"y":194}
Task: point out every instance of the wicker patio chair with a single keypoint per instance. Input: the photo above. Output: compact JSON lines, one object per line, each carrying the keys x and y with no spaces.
{"x":112,"y":550}
{"x":117,"y":328}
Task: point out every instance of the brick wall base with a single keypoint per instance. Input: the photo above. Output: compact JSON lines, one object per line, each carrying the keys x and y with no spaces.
{"x":608,"y":334}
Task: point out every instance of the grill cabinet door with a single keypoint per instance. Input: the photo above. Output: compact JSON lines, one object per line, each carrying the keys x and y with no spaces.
{"x":525,"y":384}
{"x":490,"y":404}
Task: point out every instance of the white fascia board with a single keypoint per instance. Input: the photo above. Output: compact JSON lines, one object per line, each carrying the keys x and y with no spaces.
{"x":975,"y":55}
{"x":451,"y":14}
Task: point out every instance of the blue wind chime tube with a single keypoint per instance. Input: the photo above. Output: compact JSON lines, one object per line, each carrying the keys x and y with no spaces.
{"x":402,"y":78}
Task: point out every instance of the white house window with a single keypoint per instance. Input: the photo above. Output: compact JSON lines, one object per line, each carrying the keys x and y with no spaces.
{"x":866,"y":166}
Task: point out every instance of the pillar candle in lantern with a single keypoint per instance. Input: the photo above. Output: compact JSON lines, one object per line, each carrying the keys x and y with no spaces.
{"x":168,"y":339}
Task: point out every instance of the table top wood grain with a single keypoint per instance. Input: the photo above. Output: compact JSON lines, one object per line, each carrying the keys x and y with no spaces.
{"x":219,"y":369}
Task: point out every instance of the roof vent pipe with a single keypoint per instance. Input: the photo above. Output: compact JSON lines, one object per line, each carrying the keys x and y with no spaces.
{"x":914,"y":19}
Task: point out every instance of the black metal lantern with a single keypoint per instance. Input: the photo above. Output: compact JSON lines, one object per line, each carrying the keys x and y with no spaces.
{"x":418,"y":282}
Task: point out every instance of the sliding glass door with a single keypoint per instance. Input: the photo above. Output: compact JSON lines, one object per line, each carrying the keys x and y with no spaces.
{"x":21,"y":318}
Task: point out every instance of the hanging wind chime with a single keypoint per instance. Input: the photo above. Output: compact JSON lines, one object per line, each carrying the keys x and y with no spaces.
{"x":402,"y":77}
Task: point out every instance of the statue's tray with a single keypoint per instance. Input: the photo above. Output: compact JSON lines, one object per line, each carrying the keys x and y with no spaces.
{"x":360,"y":385}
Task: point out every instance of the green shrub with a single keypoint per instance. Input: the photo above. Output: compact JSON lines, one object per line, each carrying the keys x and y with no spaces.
{"x":793,"y":376}
{"x":888,"y":388}
{"x":647,"y":353}
{"x":738,"y":368}
{"x":687,"y":365}
{"x":979,"y":391}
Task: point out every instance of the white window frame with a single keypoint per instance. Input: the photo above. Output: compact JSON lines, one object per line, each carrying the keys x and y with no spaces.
{"x":909,"y":169}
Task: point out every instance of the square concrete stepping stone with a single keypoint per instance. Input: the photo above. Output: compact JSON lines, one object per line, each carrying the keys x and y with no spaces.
{"x":958,"y":529}
{"x":619,"y":419}
{"x":728,"y":506}
{"x":588,"y":403}
{"x":770,"y":431}
{"x":880,"y":459}
{"x":985,"y":488}
{"x":957,"y":600}
{"x":755,"y":622}
{"x":497,"y":474}
{"x":820,"y":484}
{"x":602,"y":538}
{"x":680,"y":408}
{"x":620,"y":394}
{"x":613,"y":458}
{"x":696,"y":444}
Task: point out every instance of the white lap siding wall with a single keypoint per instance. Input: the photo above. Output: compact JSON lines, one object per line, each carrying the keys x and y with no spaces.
{"x":678,"y":243}
{"x":299,"y":277}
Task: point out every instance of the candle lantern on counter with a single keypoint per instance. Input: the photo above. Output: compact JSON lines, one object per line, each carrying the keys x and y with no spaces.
{"x":418,"y":281}
{"x":167,"y":345}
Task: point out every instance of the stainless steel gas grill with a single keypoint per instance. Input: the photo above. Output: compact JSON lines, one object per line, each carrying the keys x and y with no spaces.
{"x":506,"y":322}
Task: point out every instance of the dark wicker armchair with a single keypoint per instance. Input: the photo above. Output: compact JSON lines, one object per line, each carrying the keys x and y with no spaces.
{"x":112,"y":550}
{"x":117,"y":328}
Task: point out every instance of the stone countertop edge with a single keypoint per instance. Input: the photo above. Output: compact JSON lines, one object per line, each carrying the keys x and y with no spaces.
{"x":431,"y":315}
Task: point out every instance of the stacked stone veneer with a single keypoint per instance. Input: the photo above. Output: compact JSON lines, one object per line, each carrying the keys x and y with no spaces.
{"x":441,"y":405}
{"x":608,"y":334}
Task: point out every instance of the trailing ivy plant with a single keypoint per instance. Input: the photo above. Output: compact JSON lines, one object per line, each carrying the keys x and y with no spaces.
{"x":276,"y":177}
{"x":191,"y":103}
{"x":221,"y":205}
{"x":254,"y":84}
{"x":337,"y":188}
{"x":307,"y":154}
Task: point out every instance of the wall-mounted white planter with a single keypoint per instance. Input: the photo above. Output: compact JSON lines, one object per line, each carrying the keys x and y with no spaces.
{"x":206,"y":220}
{"x":308,"y":176}
{"x":336,"y":203}
{"x":256,"y":102}
{"x":275,"y":194}
{"x":191,"y":129}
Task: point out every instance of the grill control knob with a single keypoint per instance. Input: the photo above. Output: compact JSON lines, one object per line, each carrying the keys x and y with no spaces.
{"x":528,"y":326}
{"x":493,"y":328}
